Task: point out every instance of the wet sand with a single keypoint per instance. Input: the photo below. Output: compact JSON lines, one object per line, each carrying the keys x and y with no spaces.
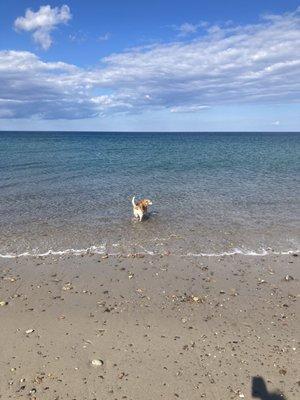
{"x":160,"y":327}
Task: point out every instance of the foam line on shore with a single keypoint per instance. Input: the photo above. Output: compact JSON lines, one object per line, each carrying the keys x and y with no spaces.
{"x":244,"y":253}
{"x":76,"y":252}
{"x":101,"y":250}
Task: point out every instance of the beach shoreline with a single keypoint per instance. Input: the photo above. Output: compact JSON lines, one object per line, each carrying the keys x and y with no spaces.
{"x":158,"y":326}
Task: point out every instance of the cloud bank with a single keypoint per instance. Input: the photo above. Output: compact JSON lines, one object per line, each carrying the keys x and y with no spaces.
{"x":226,"y":65}
{"x":42,"y":23}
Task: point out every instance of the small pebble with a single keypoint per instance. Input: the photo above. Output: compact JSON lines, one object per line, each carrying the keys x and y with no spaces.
{"x":289,"y":278}
{"x":96,"y":363}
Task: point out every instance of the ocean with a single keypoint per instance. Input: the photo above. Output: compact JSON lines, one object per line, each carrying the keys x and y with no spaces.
{"x":213,"y":193}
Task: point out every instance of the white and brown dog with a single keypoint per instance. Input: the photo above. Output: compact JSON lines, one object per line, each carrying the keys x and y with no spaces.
{"x":140,"y":208}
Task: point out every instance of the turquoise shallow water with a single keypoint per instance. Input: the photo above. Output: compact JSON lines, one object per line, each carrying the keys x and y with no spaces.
{"x":212,"y":192}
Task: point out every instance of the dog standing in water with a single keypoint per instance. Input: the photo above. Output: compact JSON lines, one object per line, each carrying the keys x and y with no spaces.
{"x":140,"y":208}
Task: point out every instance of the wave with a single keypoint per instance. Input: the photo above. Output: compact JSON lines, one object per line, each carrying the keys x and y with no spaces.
{"x":102,"y":251}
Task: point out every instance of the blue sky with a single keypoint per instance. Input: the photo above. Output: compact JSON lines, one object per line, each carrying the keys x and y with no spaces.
{"x":150,"y":65}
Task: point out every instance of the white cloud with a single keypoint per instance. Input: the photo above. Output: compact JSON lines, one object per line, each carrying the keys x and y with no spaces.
{"x":104,"y":37}
{"x":187,"y":29}
{"x":50,"y":90}
{"x":248,"y":64}
{"x":78,"y":37}
{"x":30,"y":86}
{"x":188,"y":109}
{"x":42,"y":23}
{"x":253,"y":64}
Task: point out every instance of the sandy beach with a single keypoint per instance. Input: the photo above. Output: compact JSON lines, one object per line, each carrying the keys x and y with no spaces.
{"x":142,"y":327}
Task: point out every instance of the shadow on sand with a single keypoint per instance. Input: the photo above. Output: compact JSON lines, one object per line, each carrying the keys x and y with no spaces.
{"x":260,"y":391}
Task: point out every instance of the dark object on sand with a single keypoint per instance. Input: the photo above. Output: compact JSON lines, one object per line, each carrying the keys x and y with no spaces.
{"x":259,"y":390}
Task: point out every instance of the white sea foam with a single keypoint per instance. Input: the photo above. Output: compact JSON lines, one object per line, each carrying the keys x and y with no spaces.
{"x":102,"y":250}
{"x":236,"y":251}
{"x":77,"y":252}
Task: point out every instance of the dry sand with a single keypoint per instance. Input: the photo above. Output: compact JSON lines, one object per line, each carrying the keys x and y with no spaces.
{"x":160,"y":327}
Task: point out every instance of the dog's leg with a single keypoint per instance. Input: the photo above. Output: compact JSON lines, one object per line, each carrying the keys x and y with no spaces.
{"x":136,"y":214}
{"x":140,"y":213}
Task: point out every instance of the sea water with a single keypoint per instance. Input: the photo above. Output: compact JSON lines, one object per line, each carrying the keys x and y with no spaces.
{"x":212,"y":193}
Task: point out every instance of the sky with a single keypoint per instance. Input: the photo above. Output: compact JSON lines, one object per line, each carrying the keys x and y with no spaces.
{"x":156,"y":65}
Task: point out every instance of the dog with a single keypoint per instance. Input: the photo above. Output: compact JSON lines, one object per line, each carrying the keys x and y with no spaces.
{"x":140,"y":208}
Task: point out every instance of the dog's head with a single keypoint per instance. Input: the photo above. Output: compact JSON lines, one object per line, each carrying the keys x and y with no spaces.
{"x":147,"y":202}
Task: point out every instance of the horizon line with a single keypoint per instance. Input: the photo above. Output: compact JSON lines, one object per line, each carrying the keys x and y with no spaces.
{"x":137,"y":131}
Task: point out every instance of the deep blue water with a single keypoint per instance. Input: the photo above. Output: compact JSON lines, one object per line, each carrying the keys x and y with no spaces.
{"x":212,"y":192}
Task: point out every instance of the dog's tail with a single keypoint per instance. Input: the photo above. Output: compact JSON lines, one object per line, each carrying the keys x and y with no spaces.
{"x":133,"y":202}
